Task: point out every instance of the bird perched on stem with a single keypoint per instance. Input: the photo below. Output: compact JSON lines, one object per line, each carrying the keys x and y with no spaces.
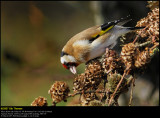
{"x":92,"y":43}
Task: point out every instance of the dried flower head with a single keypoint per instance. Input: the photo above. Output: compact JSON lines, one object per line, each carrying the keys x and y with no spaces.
{"x":59,"y":91}
{"x":111,"y":61}
{"x":87,"y":97}
{"x":127,"y":54}
{"x":80,"y":83}
{"x":153,"y":4}
{"x":142,"y":58}
{"x":91,"y":78}
{"x":152,"y":25}
{"x":40,"y":101}
{"x":94,"y":73}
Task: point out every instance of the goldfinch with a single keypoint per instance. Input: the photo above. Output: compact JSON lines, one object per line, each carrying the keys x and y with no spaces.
{"x":92,"y":43}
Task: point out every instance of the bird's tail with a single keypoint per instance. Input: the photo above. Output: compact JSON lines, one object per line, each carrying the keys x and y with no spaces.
{"x":123,"y":21}
{"x":119,"y":22}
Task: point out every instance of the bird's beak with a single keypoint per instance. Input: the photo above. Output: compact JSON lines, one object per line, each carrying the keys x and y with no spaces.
{"x":73,"y":69}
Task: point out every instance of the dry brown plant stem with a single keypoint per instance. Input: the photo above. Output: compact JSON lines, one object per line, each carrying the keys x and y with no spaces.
{"x":131,"y":94}
{"x":143,"y":44}
{"x":139,"y":34}
{"x":156,"y":45}
{"x":85,"y":92}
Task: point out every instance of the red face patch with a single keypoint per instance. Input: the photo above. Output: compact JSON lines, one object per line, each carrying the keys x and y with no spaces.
{"x":64,"y":66}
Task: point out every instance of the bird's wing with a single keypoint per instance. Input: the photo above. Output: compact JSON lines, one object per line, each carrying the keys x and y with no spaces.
{"x":104,"y":28}
{"x":95,"y":32}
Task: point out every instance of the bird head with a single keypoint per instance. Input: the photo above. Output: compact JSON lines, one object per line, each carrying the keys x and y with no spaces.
{"x":69,"y":62}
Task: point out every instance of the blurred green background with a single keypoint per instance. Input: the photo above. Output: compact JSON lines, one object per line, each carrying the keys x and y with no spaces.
{"x":33,"y":34}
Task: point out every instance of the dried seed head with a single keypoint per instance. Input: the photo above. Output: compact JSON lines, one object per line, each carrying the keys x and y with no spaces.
{"x":142,"y":58}
{"x":91,"y":78}
{"x":40,"y":101}
{"x":127,"y":54}
{"x":80,"y":83}
{"x":59,"y":91}
{"x":94,"y":72}
{"x":152,"y":23}
{"x":153,"y":4}
{"x":111,"y":61}
{"x":87,"y":97}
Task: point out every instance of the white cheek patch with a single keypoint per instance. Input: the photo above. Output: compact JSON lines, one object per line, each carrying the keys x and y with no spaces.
{"x":62,"y":60}
{"x":67,"y":58}
{"x":81,"y":43}
{"x":70,"y":58}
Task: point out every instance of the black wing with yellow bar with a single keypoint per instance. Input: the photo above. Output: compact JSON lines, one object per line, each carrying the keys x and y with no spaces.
{"x":107,"y":26}
{"x":110,"y":25}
